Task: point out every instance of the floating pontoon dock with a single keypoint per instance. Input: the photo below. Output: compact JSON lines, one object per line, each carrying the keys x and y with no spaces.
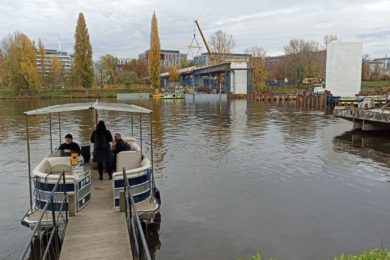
{"x":99,"y":231}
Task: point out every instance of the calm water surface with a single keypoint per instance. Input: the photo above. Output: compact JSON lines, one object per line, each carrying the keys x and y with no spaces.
{"x":235,"y":178}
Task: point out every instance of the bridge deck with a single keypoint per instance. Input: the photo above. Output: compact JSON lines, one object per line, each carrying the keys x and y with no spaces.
{"x":372,"y":115}
{"x":98,"y":231}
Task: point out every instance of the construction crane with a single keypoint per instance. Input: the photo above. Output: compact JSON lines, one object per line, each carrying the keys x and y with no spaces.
{"x":211,"y":57}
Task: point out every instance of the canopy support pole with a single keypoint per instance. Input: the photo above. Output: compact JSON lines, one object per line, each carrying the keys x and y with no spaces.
{"x":51,"y":135}
{"x":132,"y":125}
{"x":29,"y":163}
{"x":140,"y":130}
{"x":151,"y":147}
{"x":59,"y":128}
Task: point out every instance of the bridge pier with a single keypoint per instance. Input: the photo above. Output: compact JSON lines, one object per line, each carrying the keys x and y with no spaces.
{"x":369,"y":126}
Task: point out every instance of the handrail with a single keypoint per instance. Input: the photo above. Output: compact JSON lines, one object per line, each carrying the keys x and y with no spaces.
{"x":47,"y":246}
{"x":139,"y":246}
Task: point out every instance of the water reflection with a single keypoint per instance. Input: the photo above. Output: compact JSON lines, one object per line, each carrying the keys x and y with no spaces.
{"x":373,"y":145}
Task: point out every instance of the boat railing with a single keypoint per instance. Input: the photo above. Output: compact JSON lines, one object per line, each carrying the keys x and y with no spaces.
{"x":45,"y":242}
{"x":138,"y":244}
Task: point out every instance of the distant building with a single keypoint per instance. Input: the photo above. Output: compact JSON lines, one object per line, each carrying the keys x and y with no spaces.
{"x":169,"y":58}
{"x":379,"y":68}
{"x":122,"y":62}
{"x":50,"y":54}
{"x":204,"y":60}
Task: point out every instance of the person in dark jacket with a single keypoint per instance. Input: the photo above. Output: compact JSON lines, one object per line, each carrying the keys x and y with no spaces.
{"x":69,"y":146}
{"x":118,"y":145}
{"x":101,"y":138}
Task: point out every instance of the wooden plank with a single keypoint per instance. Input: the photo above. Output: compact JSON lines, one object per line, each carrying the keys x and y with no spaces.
{"x":98,"y":231}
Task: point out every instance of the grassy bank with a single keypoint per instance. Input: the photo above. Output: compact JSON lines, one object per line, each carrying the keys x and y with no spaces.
{"x":375,"y":87}
{"x":376,"y":254}
{"x":75,"y":93}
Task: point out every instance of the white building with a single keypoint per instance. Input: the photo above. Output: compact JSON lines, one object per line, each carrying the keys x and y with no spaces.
{"x":50,"y":54}
{"x":344,"y":68}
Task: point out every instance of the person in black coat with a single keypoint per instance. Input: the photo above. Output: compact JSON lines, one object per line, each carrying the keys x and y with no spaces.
{"x":102,"y":138}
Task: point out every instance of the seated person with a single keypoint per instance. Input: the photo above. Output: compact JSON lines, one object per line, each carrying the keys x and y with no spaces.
{"x":118,"y":145}
{"x":69,"y":146}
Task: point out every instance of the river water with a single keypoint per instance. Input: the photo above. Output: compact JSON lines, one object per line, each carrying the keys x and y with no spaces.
{"x":235,"y":178}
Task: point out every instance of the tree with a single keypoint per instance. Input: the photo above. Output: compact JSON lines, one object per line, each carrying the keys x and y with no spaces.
{"x":255,"y":51}
{"x":301,"y":59}
{"x":21,"y":65}
{"x":329,"y":38}
{"x":221,"y":44}
{"x":128,"y":78}
{"x":138,"y":66}
{"x":3,"y":68}
{"x":257,"y":68}
{"x":154,"y":55}
{"x":173,"y":74}
{"x":83,"y":66}
{"x":56,"y":75}
{"x":109,"y":67}
{"x":365,"y":67}
{"x":41,"y":59}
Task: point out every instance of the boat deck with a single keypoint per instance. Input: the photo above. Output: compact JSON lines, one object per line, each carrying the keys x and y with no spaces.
{"x":98,"y":231}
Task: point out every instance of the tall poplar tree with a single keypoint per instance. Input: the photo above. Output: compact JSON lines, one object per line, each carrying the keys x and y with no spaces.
{"x":154,"y":55}
{"x":83,"y":66}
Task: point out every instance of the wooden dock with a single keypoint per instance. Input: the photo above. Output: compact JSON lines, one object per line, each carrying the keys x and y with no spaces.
{"x":98,"y":231}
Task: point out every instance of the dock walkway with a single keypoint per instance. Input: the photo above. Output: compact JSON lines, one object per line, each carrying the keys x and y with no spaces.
{"x":98,"y":231}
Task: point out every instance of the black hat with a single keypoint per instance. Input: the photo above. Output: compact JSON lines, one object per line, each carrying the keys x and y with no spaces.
{"x":69,"y":136}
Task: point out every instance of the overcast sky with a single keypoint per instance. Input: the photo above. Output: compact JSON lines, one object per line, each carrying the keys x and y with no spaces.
{"x":122,"y":28}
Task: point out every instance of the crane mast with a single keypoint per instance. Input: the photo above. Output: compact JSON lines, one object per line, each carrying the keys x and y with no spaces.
{"x":212,"y":59}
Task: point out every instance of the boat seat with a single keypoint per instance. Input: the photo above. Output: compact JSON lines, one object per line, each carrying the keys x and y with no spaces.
{"x":128,"y":159}
{"x":55,"y":165}
{"x":45,"y":167}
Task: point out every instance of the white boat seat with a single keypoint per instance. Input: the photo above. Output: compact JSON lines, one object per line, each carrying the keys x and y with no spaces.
{"x":128,"y":159}
{"x":45,"y":167}
{"x":55,"y":165}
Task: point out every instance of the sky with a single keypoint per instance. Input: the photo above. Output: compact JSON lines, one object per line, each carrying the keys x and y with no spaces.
{"x":122,"y":28}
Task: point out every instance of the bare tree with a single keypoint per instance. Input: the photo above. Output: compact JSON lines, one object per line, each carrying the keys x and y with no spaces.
{"x":255,"y":51}
{"x":365,"y":67}
{"x":221,"y":44}
{"x":301,"y":59}
{"x":329,"y":38}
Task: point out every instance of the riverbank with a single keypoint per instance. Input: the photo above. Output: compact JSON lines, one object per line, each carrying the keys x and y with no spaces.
{"x":368,"y":88}
{"x":75,"y":93}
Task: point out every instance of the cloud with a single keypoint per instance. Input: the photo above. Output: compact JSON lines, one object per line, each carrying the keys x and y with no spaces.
{"x":123,"y":27}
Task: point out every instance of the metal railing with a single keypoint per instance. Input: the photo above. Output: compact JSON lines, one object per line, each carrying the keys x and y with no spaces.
{"x":138,"y":244}
{"x":45,"y":242}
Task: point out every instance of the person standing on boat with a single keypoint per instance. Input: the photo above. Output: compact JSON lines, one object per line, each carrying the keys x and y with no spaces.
{"x":101,"y":137}
{"x":69,"y":146}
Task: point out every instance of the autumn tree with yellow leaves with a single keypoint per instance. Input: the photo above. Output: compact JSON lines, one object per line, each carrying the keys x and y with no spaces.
{"x":20,"y":63}
{"x":154,"y":55}
{"x":257,"y":68}
{"x":83,"y":67}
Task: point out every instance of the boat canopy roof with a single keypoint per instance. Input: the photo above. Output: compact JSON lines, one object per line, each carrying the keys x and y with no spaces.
{"x":89,"y":105}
